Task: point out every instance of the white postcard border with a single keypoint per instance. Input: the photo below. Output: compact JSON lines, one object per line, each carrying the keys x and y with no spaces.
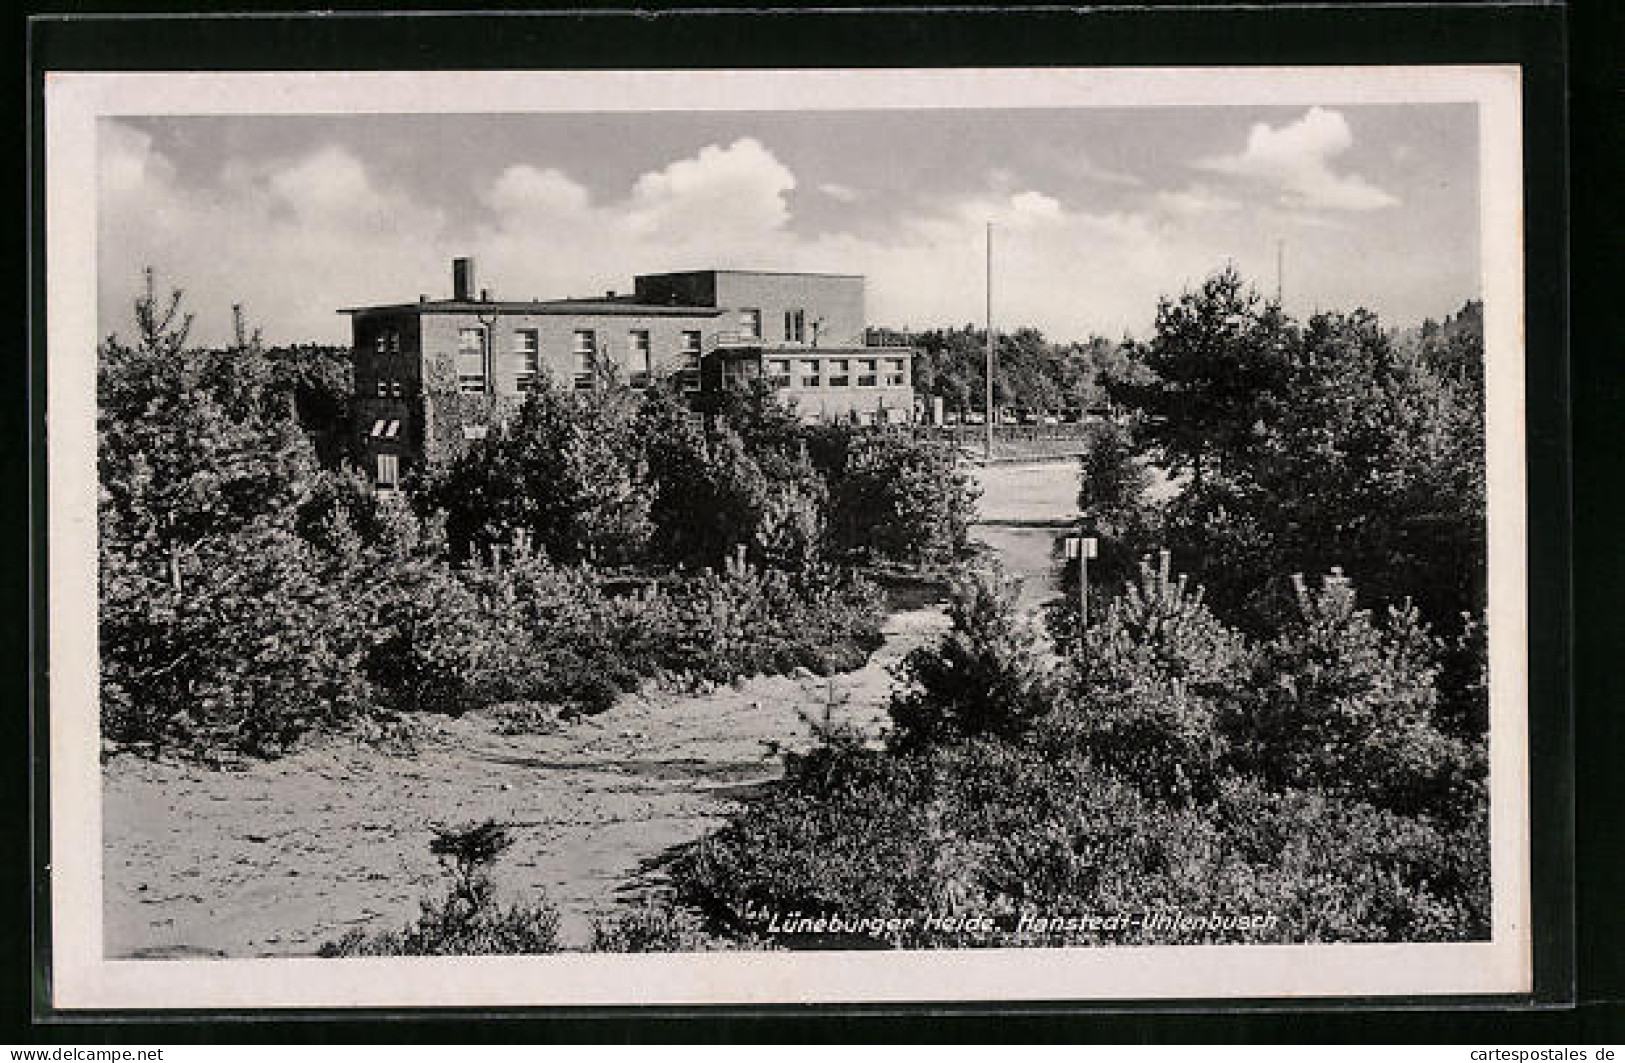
{"x":83,"y":978}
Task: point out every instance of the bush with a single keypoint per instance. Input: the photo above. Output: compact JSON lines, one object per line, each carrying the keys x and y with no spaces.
{"x":993,"y":828}
{"x":897,"y":498}
{"x":987,"y":676}
{"x":747,"y":620}
{"x":243,"y":651}
{"x":1346,"y":705}
{"x":468,"y":920}
{"x":659,"y":925}
{"x":568,"y":471}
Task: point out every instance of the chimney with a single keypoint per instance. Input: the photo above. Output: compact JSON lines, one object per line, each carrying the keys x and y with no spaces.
{"x":485,"y":295}
{"x":609,"y":294}
{"x":462,"y":279}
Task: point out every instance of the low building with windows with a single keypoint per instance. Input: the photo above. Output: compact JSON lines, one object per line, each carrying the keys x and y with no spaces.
{"x":432,"y":375}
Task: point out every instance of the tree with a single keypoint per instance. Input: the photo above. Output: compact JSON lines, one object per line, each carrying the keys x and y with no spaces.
{"x":1221,"y":357}
{"x":190,"y":449}
{"x":986,"y":678}
{"x":1346,"y":705}
{"x":218,"y":619}
{"x":569,"y":472}
{"x":903,"y":499}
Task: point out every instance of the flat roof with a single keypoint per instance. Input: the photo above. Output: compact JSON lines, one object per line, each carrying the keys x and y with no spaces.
{"x":753,"y":273}
{"x":558,"y":307}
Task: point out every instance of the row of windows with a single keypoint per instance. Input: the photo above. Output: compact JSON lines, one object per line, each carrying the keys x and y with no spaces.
{"x":587,"y":363}
{"x":835,"y":372}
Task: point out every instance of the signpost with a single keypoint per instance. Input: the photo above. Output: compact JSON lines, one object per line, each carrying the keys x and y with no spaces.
{"x":1082,"y":547}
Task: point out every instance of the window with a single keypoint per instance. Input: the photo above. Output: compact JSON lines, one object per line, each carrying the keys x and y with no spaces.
{"x":389,"y":472}
{"x":586,"y":359}
{"x":867,"y":370}
{"x":639,"y":367}
{"x":388,"y":341}
{"x":795,"y":326}
{"x":689,"y":373}
{"x":838,"y":370}
{"x":383,"y":389}
{"x":778,"y":372}
{"x":810,"y":376}
{"x":526,"y":359}
{"x":395,"y":389}
{"x":895,"y":376}
{"x":750,"y":323}
{"x":471,"y":361}
{"x":386,"y":428}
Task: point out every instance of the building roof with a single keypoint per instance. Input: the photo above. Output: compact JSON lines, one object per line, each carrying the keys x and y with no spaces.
{"x":604,"y":306}
{"x":753,"y":273}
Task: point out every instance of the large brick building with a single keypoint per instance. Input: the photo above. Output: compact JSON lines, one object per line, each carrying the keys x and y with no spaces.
{"x":433,"y":374}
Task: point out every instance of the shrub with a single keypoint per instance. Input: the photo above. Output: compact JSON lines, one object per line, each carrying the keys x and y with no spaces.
{"x":995,"y":828}
{"x":659,"y":925}
{"x":468,"y":920}
{"x":1345,"y":705}
{"x":987,"y":676}
{"x":747,"y":620}
{"x":902,"y":499}
{"x":243,"y":651}
{"x":568,"y":471}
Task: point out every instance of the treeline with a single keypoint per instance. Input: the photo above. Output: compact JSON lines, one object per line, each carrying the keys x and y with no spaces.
{"x":1033,"y":373}
{"x":254,"y":590}
{"x":1278,"y":707}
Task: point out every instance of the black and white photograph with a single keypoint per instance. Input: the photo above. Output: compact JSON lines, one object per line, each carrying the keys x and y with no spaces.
{"x":751,"y":536}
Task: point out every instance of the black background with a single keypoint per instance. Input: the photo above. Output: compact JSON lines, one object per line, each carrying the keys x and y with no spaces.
{"x":1572,"y":97}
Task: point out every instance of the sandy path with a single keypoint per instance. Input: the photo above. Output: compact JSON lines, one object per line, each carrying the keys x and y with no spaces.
{"x":278,"y":858}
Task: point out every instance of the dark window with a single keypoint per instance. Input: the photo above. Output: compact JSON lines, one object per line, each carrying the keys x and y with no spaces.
{"x":471,"y":361}
{"x":586,"y":359}
{"x":526,"y":358}
{"x":389,"y":472}
{"x":689,"y":362}
{"x":639,"y":367}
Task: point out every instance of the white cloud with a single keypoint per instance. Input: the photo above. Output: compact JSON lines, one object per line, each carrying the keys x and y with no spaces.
{"x":739,"y":188}
{"x":839,"y":192}
{"x":1195,"y":201}
{"x":1081,"y":166}
{"x":1296,"y":160}
{"x":293,"y":240}
{"x":523,"y":189}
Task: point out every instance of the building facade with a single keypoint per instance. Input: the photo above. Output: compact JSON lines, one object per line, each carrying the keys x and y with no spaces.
{"x":433,"y":375}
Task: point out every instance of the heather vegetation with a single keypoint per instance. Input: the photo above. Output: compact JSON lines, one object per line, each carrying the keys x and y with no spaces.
{"x":255,"y":590}
{"x":1278,"y":705}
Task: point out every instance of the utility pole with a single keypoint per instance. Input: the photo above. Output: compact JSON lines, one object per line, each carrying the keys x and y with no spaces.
{"x":988,"y":449}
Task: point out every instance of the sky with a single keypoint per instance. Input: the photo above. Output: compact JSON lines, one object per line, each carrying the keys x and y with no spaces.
{"x":1097,"y":212}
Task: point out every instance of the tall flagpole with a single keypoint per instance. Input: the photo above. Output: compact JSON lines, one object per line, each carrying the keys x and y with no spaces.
{"x":988,"y":450}
{"x":1280,"y":270}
